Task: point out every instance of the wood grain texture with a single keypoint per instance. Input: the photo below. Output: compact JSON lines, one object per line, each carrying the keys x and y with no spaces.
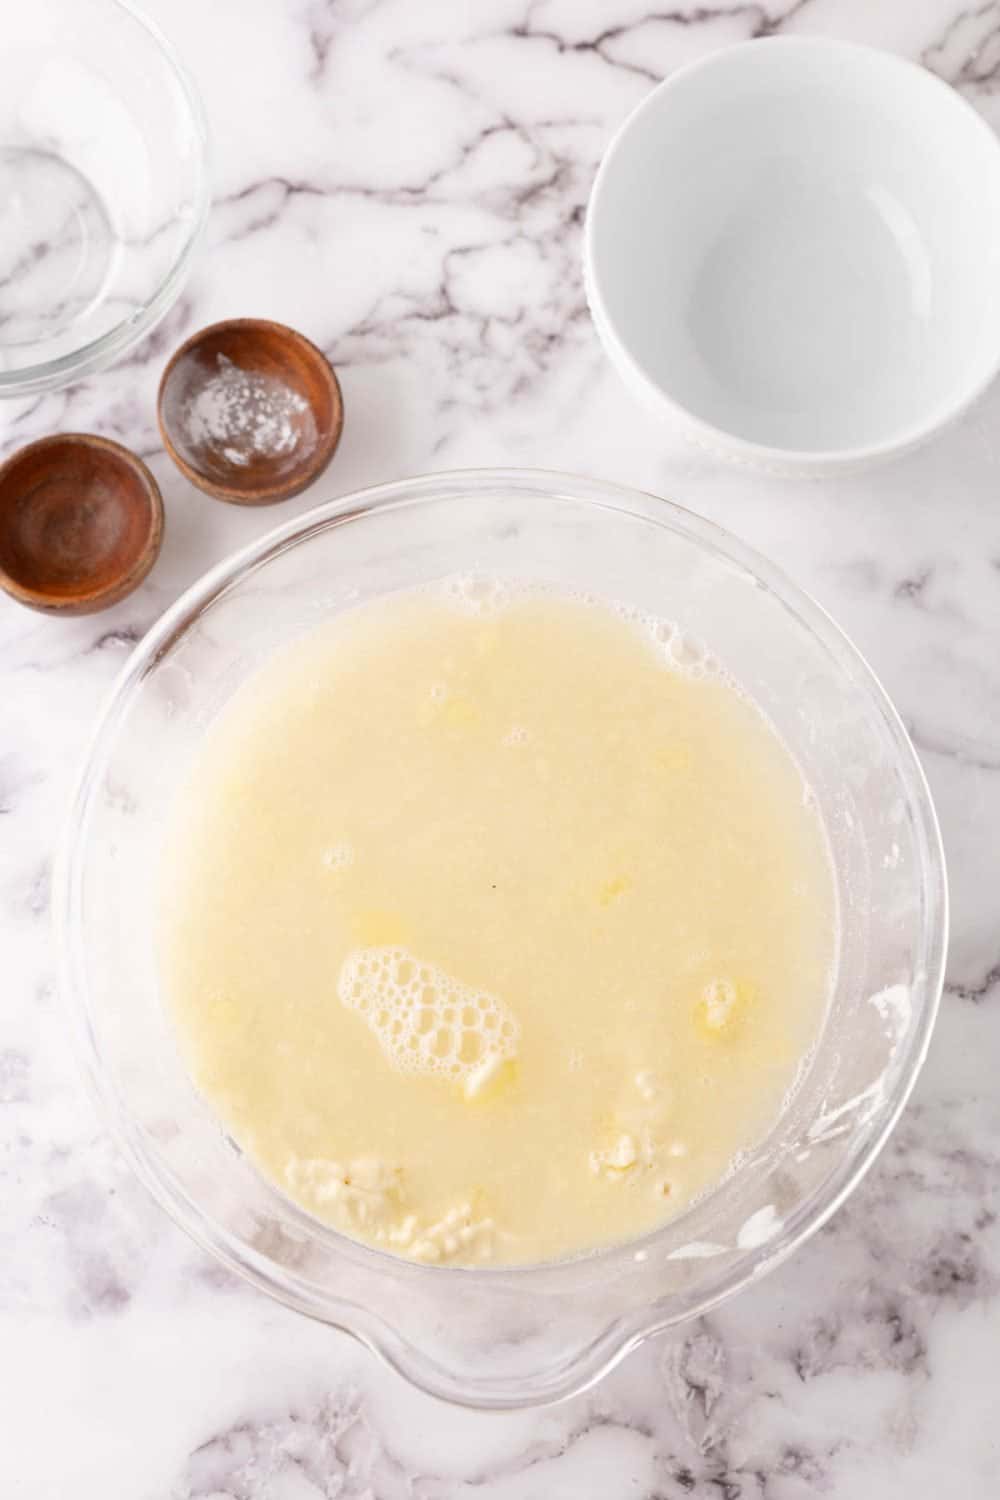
{"x":81,"y":522}
{"x":257,"y":348}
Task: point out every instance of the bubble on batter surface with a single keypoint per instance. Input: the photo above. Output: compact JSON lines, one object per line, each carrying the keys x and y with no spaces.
{"x":683,"y":651}
{"x":338,"y":856}
{"x":478,"y":594}
{"x":424,"y":1020}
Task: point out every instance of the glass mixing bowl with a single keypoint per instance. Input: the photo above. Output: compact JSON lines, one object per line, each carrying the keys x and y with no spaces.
{"x":508,"y":1336}
{"x":103,"y":186}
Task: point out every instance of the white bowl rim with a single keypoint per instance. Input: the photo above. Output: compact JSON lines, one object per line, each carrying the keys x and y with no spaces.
{"x":27,"y":380}
{"x":718,"y":438}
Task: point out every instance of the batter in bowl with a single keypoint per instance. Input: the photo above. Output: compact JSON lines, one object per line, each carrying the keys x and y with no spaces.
{"x":497,"y":923}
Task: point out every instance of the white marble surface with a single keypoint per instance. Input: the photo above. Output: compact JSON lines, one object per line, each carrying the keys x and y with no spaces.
{"x":405,"y":182}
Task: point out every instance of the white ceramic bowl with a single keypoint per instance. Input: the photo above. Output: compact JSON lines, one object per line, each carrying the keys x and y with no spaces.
{"x":794,"y":247}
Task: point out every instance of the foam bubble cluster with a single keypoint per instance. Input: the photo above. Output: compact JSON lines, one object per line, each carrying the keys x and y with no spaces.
{"x":478,"y":594}
{"x":424,"y":1020}
{"x":684,"y":652}
{"x":338,"y":856}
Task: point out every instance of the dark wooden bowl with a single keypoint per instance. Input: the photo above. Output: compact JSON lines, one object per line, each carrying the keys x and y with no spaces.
{"x":81,"y":521}
{"x":250,"y":411}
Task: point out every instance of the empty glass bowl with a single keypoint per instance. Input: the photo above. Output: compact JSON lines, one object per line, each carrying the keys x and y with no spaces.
{"x":508,"y":1336}
{"x":103,"y":186}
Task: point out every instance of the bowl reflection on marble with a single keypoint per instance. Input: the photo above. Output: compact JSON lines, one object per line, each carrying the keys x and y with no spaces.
{"x":103,"y":187}
{"x":793,"y":250}
{"x":505,"y":1337}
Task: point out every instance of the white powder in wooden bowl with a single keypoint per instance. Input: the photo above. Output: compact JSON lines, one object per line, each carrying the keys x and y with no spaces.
{"x":245,"y":415}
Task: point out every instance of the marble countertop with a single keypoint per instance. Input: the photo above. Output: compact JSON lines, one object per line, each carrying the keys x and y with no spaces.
{"x":406,"y":183}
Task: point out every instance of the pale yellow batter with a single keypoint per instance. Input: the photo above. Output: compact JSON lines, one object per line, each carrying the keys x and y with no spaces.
{"x":490,"y":933}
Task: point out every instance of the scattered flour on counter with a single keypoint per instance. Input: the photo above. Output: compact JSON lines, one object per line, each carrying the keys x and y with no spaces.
{"x":244,"y":415}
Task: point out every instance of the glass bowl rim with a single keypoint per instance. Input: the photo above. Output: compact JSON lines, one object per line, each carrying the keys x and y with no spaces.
{"x":618,"y":1338}
{"x":48,"y":374}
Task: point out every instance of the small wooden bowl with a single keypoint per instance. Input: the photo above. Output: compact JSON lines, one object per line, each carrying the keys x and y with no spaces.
{"x":250,"y":411}
{"x":81,"y":521}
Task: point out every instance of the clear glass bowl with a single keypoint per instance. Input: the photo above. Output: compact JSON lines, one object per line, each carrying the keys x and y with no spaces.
{"x":103,"y":186}
{"x":508,"y":1336}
